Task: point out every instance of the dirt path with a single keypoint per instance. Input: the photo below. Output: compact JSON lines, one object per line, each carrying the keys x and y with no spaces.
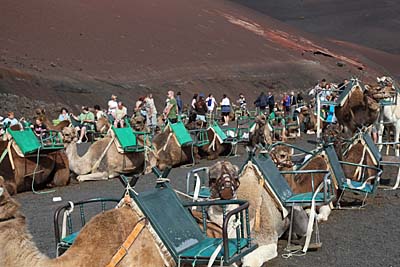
{"x":367,"y":237}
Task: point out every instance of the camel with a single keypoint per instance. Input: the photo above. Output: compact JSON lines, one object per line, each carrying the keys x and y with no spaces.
{"x":308,"y":120}
{"x":51,"y":169}
{"x":302,"y":182}
{"x":103,"y":160}
{"x":359,"y":110}
{"x":169,"y":153}
{"x":96,"y":244}
{"x":266,"y":220}
{"x":41,"y":113}
{"x":261,"y":133}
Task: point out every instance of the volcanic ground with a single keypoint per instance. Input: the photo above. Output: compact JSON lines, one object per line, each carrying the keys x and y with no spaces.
{"x":79,"y":52}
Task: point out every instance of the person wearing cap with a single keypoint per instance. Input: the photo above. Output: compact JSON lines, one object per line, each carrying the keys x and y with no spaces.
{"x":86,"y":119}
{"x":112,"y":105}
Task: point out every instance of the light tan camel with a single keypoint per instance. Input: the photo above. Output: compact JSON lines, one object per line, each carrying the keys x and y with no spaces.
{"x":267,"y":221}
{"x":51,"y":170}
{"x":95,"y":245}
{"x":103,"y":160}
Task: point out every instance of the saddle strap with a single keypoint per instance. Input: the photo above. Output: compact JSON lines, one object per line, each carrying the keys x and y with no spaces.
{"x":123,"y":250}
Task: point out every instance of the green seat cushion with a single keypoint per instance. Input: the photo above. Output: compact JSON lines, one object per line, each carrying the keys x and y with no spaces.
{"x":69,"y":239}
{"x":126,"y":137}
{"x":273,"y":177}
{"x":306,"y":198}
{"x":173,"y":223}
{"x":181,"y":133}
{"x":206,"y":248}
{"x":26,"y":140}
{"x":367,"y":189}
{"x":203,"y":193}
{"x":219,"y":132}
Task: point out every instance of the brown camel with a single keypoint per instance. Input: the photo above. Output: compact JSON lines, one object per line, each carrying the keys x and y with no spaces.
{"x":302,"y":182}
{"x":95,"y":245}
{"x":169,"y":153}
{"x":308,"y":119}
{"x":50,"y":169}
{"x":103,"y":160}
{"x":261,"y":133}
{"x":41,"y":113}
{"x":357,"y":111}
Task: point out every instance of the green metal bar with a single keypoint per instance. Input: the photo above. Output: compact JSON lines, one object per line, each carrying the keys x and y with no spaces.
{"x":204,"y":217}
{"x":82,"y":212}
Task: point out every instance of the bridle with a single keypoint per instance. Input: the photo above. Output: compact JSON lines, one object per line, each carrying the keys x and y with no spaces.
{"x":225,"y":185}
{"x":281,"y":163}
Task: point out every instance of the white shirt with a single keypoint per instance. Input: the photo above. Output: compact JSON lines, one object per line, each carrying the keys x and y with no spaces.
{"x":112,"y":106}
{"x":213,"y":103}
{"x":225,"y":102}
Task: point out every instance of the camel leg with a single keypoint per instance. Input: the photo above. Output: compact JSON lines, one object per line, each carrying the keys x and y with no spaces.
{"x":260,"y":255}
{"x":93,"y":176}
{"x":323,"y":213}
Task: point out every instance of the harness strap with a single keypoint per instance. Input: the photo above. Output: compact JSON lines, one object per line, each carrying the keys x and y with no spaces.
{"x":123,"y":250}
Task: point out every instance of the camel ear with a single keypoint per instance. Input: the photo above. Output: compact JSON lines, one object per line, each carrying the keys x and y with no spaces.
{"x":1,"y":191}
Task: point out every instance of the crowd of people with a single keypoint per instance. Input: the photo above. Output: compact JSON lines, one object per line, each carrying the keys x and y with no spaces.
{"x":200,"y":108}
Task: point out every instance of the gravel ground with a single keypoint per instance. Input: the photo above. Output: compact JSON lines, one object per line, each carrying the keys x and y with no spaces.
{"x":367,"y":237}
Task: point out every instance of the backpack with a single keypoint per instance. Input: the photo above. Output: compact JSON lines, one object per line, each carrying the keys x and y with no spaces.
{"x":209,"y":102}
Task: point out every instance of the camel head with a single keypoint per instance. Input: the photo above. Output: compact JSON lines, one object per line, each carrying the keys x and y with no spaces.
{"x":9,"y":208}
{"x":282,"y":156}
{"x":224,"y":180}
{"x":69,"y":135}
{"x":138,"y":123}
{"x":102,"y":125}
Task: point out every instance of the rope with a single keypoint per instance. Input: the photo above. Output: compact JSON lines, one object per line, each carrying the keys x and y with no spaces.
{"x":97,"y":163}
{"x":33,"y":177}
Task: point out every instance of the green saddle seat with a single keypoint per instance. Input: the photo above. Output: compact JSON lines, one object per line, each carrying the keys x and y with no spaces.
{"x":127,"y":139}
{"x":206,"y":248}
{"x":181,"y":133}
{"x":26,"y":140}
{"x":219,"y":132}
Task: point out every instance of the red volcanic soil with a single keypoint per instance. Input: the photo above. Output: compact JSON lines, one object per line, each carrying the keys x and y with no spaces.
{"x":79,"y":52}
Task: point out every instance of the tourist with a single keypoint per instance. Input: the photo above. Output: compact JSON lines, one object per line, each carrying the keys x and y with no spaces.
{"x":201,"y":108}
{"x":242,"y":104}
{"x":179,"y":102}
{"x":261,"y":102}
{"x":342,"y":85}
{"x":39,"y":128}
{"x":112,"y":105}
{"x":300,"y":100}
{"x":10,"y":120}
{"x":120,"y":114}
{"x":211,"y":105}
{"x":225,"y":109}
{"x":194,"y":101}
{"x":86,"y":119}
{"x":270,"y":102}
{"x":64,"y":116}
{"x":151,"y":111}
{"x":171,"y":110}
{"x":286,"y":103}
{"x":98,"y":113}
{"x":293,"y":103}
{"x":140,"y":107}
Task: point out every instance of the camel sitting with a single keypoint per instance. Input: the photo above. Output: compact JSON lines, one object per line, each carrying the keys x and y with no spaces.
{"x":103,"y":160}
{"x":260,"y":134}
{"x":96,"y":244}
{"x":266,"y":220}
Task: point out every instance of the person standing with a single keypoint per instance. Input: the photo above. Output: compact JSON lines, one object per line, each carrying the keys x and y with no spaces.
{"x":171,"y":110}
{"x":293,"y":103}
{"x":179,"y":102}
{"x":242,"y":104}
{"x":261,"y":102}
{"x":151,"y":111}
{"x":211,"y":104}
{"x":271,"y":102}
{"x":194,"y":101}
{"x":286,"y":103}
{"x":201,"y":108}
{"x":112,"y":105}
{"x":225,"y":109}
